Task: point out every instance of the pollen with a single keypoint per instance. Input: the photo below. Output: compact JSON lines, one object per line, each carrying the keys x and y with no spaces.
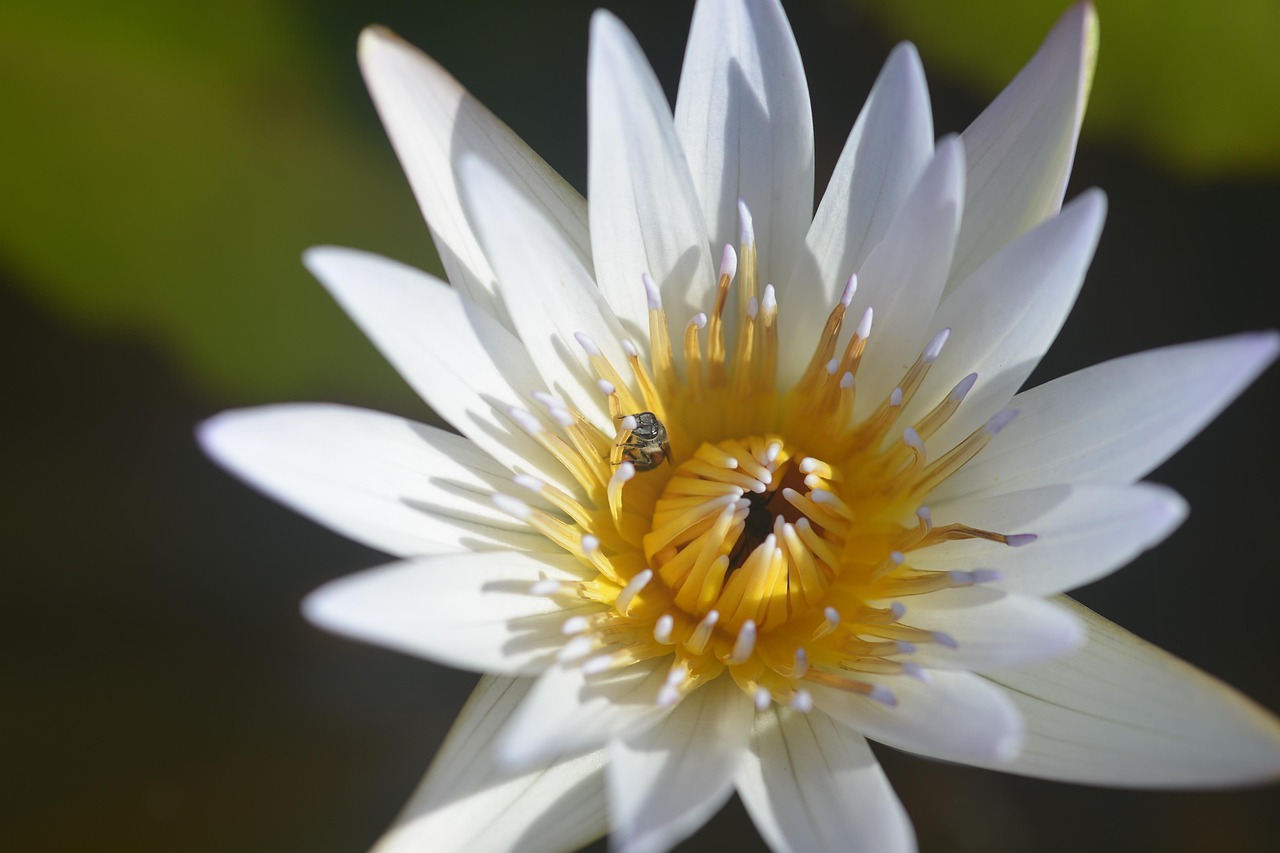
{"x":736,"y":527}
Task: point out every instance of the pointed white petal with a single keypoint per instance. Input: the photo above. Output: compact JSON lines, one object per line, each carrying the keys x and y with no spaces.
{"x":957,"y":716}
{"x":1115,"y":421}
{"x":1123,"y":712}
{"x":567,"y":713}
{"x":886,"y":153}
{"x":392,"y":484}
{"x":472,"y":611}
{"x":561,"y":806}
{"x":743,"y":119}
{"x":645,"y":213}
{"x":812,"y":784}
{"x":550,"y":293}
{"x":903,"y":276}
{"x":992,"y":629}
{"x":1083,"y":533}
{"x":1021,"y":148}
{"x":461,"y":361}
{"x":1004,"y":317}
{"x":433,"y":122}
{"x":665,"y":782}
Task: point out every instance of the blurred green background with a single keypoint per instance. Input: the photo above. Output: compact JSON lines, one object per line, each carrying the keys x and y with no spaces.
{"x":163,"y":165}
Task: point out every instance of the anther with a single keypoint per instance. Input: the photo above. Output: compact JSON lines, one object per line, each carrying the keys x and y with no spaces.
{"x":576,"y":649}
{"x":906,"y":648}
{"x":846,"y":381}
{"x":1017,"y":540}
{"x":934,"y":347}
{"x":864,"y":325}
{"x":697,"y":643}
{"x":963,"y":387}
{"x":527,"y":421}
{"x":1000,"y":421}
{"x":574,"y":625}
{"x":629,"y":348}
{"x":597,"y":664}
{"x":513,"y":507}
{"x":651,"y":292}
{"x":526,"y":481}
{"x":662,"y":629}
{"x":916,"y":671}
{"x":895,"y":397}
{"x":801,"y":666}
{"x":744,"y":645}
{"x":588,"y":345}
{"x":769,"y":302}
{"x":606,"y":387}
{"x":699,"y":320}
{"x":883,"y":695}
{"x":763,"y":699}
{"x":746,"y":230}
{"x":546,"y":587}
{"x":753,"y":307}
{"x":728,"y":261}
{"x":628,"y":595}
{"x":802,"y":701}
{"x":944,"y":639}
{"x":850,"y":288}
{"x":911,"y":439}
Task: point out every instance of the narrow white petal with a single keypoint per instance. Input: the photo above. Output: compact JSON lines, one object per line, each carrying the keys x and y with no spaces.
{"x":1083,"y":533}
{"x":743,"y":119}
{"x":886,"y":152}
{"x":1123,"y":712}
{"x":471,"y":611}
{"x":1004,"y":317}
{"x":1116,"y":421}
{"x":461,"y":361}
{"x":956,"y":716}
{"x":1021,"y":148}
{"x":903,"y":276}
{"x":433,"y":122}
{"x":992,"y":629}
{"x":395,"y":485}
{"x":645,"y":213}
{"x":812,"y":784}
{"x":567,"y":713}
{"x":560,"y":806}
{"x":665,"y":782}
{"x":549,"y":292}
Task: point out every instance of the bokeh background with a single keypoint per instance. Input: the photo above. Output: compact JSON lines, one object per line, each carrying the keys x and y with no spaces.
{"x":162,"y":165}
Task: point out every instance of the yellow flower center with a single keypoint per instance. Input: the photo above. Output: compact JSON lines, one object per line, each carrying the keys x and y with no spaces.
{"x":735,"y":527}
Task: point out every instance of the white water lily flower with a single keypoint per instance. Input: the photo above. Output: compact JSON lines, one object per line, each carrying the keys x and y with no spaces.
{"x":709,"y":526}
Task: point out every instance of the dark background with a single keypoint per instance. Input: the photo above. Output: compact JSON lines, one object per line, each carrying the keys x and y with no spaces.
{"x":162,"y":692}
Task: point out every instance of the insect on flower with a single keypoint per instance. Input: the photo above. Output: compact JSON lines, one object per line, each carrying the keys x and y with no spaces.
{"x":642,"y":441}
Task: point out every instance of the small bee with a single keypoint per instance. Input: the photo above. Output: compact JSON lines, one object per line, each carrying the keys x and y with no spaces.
{"x":646,"y":446}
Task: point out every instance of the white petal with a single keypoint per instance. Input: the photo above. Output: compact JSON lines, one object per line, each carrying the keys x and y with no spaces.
{"x":550,"y":293}
{"x":1004,"y":317}
{"x":1083,"y":533}
{"x":1021,"y":148}
{"x":886,"y":152}
{"x":666,"y":782}
{"x":812,"y":784}
{"x":1122,"y":712}
{"x":992,"y":629}
{"x":392,"y":484}
{"x":433,"y":122}
{"x":561,"y":806}
{"x":462,"y":362}
{"x":1116,"y":421}
{"x":957,"y":716}
{"x":645,"y":213}
{"x":472,"y":611}
{"x":903,"y":276}
{"x":568,"y":713}
{"x":743,"y":119}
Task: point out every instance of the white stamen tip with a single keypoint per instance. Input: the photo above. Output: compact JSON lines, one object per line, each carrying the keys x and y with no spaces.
{"x":561,"y":415}
{"x":905,"y":648}
{"x":746,"y":230}
{"x":897,"y":558}
{"x":546,"y":586}
{"x":728,"y":261}
{"x":963,"y":387}
{"x":1017,"y":540}
{"x":945,"y":640}
{"x":801,"y":664}
{"x":925,"y":514}
{"x":821,"y":496}
{"x":772,"y":452}
{"x":864,"y":325}
{"x":576,"y":649}
{"x":574,"y":625}
{"x":629,"y":592}
{"x":916,"y":671}
{"x":808,"y":465}
{"x":912,"y":439}
{"x":846,"y":381}
{"x":934,"y":349}
{"x":624,"y":472}
{"x":590,"y":543}
{"x":663,"y":627}
{"x":629,"y":348}
{"x":597,"y":664}
{"x":545,"y":399}
{"x":753,"y":307}
{"x":763,"y":699}
{"x":802,"y":701}
{"x":651,"y":292}
{"x":987,"y":575}
{"x":1000,"y":421}
{"x":525,"y":481}
{"x":667,"y":696}
{"x":588,"y":345}
{"x":883,"y":695}
{"x":850,"y":288}
{"x":898,"y":609}
{"x":832,"y":616}
{"x":606,"y":387}
{"x":513,"y":507}
{"x":745,"y":644}
{"x":699,"y":320}
{"x":769,"y":301}
{"x":677,"y":675}
{"x":895,"y":397}
{"x":629,"y":422}
{"x":832,"y":366}
{"x":527,"y":421}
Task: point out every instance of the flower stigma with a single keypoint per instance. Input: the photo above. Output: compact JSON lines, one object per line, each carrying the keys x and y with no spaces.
{"x":733,"y":526}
